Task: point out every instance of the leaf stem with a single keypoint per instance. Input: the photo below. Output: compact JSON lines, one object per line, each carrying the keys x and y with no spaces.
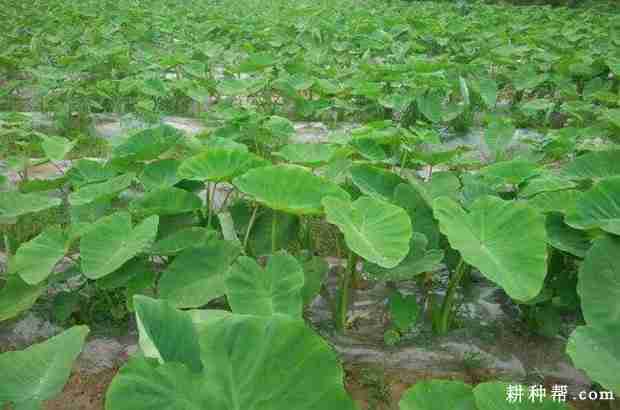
{"x":448,"y":302}
{"x":274,"y":232}
{"x":249,"y":229}
{"x":345,"y":291}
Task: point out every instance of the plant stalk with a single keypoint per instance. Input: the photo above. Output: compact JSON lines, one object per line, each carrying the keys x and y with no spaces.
{"x":345,"y":291}
{"x":448,"y":303}
{"x":249,"y":229}
{"x":274,"y":232}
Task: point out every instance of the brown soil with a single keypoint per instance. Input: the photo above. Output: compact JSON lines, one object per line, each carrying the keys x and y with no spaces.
{"x":83,"y":392}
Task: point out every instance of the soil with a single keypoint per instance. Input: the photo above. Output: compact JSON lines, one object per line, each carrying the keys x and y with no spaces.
{"x":83,"y":392}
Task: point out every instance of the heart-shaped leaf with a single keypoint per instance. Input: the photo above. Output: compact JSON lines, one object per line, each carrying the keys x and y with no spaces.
{"x":56,"y":148}
{"x":288,"y":188}
{"x":160,"y":174}
{"x":491,"y":237}
{"x":376,"y":230}
{"x":148,"y":144}
{"x":219,"y":164}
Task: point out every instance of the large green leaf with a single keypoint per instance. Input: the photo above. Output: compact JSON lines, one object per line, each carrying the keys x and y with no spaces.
{"x":35,"y":260}
{"x":288,"y":188}
{"x":265,"y":292}
{"x":168,"y":331}
{"x":597,"y":351}
{"x":17,"y":296}
{"x":56,"y":148}
{"x":594,"y":165}
{"x":599,"y":283}
{"x":166,"y":201}
{"x":40,"y":372}
{"x":107,"y":189}
{"x":148,"y":144}
{"x":510,"y":172}
{"x":419,"y":260}
{"x":14,"y":204}
{"x":438,"y":395}
{"x":491,"y":237}
{"x":197,"y":275}
{"x":599,"y":207}
{"x":308,"y":154}
{"x":376,"y":230}
{"x":374,"y":181}
{"x":160,"y":174}
{"x":86,"y":171}
{"x":251,"y":362}
{"x":113,"y":241}
{"x":219,"y":164}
